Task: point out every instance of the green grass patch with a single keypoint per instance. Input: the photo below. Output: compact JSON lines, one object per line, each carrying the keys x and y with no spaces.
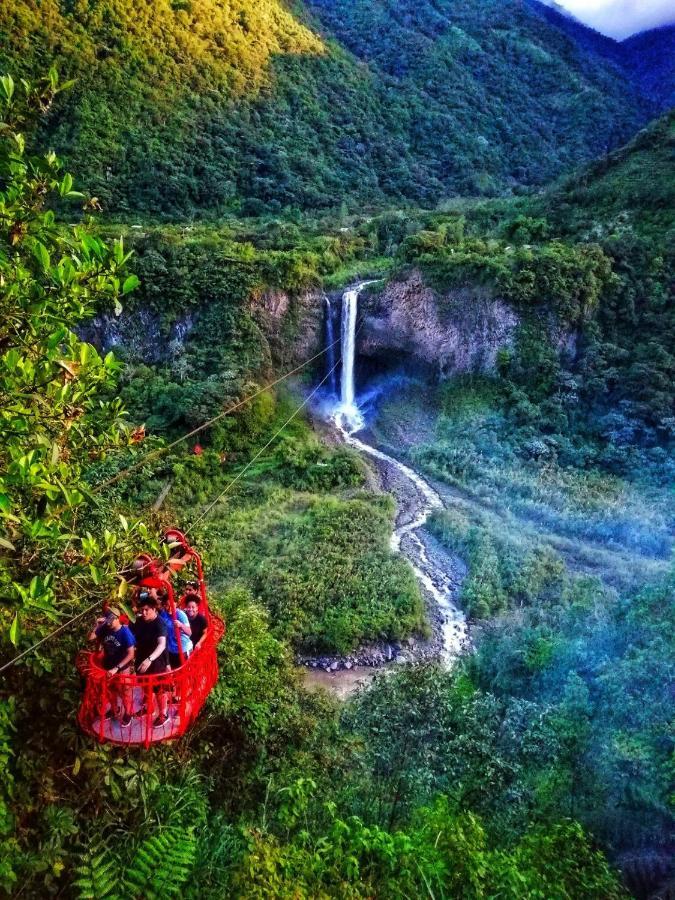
{"x":300,"y":534}
{"x":377,"y":267}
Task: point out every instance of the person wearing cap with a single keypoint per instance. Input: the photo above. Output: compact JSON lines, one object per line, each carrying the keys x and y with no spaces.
{"x":119,"y":646}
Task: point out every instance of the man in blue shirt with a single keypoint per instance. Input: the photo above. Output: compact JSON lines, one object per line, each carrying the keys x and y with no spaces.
{"x":118,"y":644}
{"x":184,"y":631}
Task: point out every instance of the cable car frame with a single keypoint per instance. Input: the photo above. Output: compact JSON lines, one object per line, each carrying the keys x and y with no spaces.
{"x":188,"y":686}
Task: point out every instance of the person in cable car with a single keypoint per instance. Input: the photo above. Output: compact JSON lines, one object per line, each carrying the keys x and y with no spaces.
{"x":184,"y":630}
{"x":198,"y":623}
{"x":144,"y":566}
{"x":179,"y":555}
{"x":152,"y":658}
{"x":119,"y":646}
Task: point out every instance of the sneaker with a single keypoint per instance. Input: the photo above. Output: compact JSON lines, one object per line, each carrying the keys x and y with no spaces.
{"x":160,"y":721}
{"x":125,"y":721}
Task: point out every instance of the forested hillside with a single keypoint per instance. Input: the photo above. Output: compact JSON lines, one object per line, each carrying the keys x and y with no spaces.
{"x":165,"y":359}
{"x":650,"y":57}
{"x":226,"y":105}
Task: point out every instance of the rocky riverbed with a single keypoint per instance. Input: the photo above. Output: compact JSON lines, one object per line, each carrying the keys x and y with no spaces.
{"x":440,"y":576}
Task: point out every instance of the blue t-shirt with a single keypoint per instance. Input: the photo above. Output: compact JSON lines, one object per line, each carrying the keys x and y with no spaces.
{"x":115,"y":644}
{"x":171,"y":643}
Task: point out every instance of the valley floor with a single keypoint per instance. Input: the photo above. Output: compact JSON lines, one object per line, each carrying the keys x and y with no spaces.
{"x":624,"y":544}
{"x":601,"y":526}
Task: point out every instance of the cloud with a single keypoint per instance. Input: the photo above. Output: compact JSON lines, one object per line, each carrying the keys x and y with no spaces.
{"x":621,"y":18}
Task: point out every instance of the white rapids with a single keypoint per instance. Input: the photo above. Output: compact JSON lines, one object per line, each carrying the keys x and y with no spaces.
{"x":405,"y":539}
{"x":432,"y":578}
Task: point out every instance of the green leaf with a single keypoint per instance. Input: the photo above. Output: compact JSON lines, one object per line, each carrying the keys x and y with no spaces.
{"x":130,"y":284}
{"x":7,"y":86}
{"x":66,"y":185}
{"x":14,"y":630}
{"x":42,"y":255}
{"x":55,"y":339}
{"x":118,"y":250}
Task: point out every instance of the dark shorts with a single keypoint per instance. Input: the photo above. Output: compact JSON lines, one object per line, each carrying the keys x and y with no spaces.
{"x":157,"y":667}
{"x":174,"y":660}
{"x":127,"y":670}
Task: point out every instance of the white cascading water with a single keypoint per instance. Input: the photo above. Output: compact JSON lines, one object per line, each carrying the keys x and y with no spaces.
{"x":349,"y":419}
{"x":348,"y":415}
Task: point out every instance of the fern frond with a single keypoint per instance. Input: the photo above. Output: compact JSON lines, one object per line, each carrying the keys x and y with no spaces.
{"x":161,"y":865}
{"x":97,"y":874}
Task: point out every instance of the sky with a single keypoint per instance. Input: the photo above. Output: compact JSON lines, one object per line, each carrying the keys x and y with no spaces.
{"x":621,"y":18}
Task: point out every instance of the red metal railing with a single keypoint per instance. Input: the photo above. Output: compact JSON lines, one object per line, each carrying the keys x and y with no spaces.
{"x":187,"y":687}
{"x":106,"y":698}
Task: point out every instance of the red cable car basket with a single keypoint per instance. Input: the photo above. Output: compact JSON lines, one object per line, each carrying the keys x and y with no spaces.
{"x":187,"y":686}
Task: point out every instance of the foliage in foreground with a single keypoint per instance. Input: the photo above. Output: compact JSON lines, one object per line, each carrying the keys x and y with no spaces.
{"x":52,"y":418}
{"x":441,"y":853}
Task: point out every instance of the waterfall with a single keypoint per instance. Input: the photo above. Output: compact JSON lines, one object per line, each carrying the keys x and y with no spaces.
{"x":330,"y":344}
{"x":348,"y":415}
{"x":349,"y":310}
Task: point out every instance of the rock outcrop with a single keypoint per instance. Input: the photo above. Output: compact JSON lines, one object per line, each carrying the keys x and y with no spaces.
{"x":440,"y":335}
{"x":138,"y":334}
{"x":292,"y":326}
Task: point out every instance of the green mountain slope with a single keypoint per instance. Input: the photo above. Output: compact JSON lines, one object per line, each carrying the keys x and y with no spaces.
{"x":650,"y":57}
{"x":632,"y":188}
{"x":191,"y":106}
{"x":619,"y":212}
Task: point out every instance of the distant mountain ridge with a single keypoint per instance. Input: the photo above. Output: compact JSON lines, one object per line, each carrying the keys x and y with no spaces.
{"x":649,"y":57}
{"x":632,"y":187}
{"x":200,"y":107}
{"x":559,"y":9}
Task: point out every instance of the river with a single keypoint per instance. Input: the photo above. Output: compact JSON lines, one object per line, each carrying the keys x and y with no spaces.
{"x":439,"y":575}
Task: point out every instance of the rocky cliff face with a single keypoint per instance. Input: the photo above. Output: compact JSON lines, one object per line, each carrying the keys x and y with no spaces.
{"x":441,"y":335}
{"x":291,"y":325}
{"x":138,"y":335}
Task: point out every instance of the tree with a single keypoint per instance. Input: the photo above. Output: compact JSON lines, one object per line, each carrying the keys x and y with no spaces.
{"x":54,"y":425}
{"x":54,"y":421}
